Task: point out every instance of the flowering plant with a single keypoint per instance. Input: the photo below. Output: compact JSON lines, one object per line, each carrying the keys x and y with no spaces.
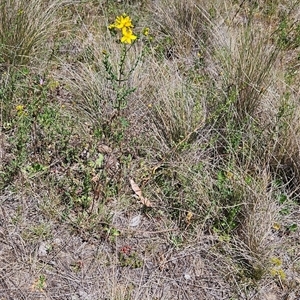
{"x":124,"y":24}
{"x":119,"y":76}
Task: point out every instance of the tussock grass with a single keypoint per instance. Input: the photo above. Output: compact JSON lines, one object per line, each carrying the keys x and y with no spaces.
{"x":182,"y":27}
{"x":26,"y":28}
{"x":247,"y":69}
{"x":201,"y":114}
{"x":179,"y":112}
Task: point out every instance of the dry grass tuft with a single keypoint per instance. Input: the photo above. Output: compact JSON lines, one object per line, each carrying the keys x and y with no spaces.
{"x":25,"y":29}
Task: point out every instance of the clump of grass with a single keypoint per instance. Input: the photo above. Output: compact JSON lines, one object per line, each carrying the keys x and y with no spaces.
{"x":26,"y":27}
{"x":182,"y":28}
{"x":246,"y":67}
{"x":179,"y":113}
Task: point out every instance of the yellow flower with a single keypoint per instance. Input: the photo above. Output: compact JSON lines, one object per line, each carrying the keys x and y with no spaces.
{"x":146,"y":31}
{"x":278,"y":272}
{"x":276,"y":261}
{"x":19,"y":108}
{"x":189,"y":217}
{"x":281,"y":274}
{"x":128,"y":36}
{"x":229,"y":175}
{"x":121,"y":22}
{"x":276,"y":226}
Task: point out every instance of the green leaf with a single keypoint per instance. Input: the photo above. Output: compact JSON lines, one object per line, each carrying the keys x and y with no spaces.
{"x":293,"y":228}
{"x":99,"y":160}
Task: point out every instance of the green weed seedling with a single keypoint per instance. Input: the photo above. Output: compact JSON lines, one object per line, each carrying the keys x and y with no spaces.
{"x":40,"y":283}
{"x":176,"y":241}
{"x":229,"y":198}
{"x":112,"y":233}
{"x":288,"y":34}
{"x":37,"y":232}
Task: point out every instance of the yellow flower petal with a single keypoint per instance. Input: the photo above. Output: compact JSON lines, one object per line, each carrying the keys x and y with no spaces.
{"x":19,"y":107}
{"x":128,"y":36}
{"x":123,"y":21}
